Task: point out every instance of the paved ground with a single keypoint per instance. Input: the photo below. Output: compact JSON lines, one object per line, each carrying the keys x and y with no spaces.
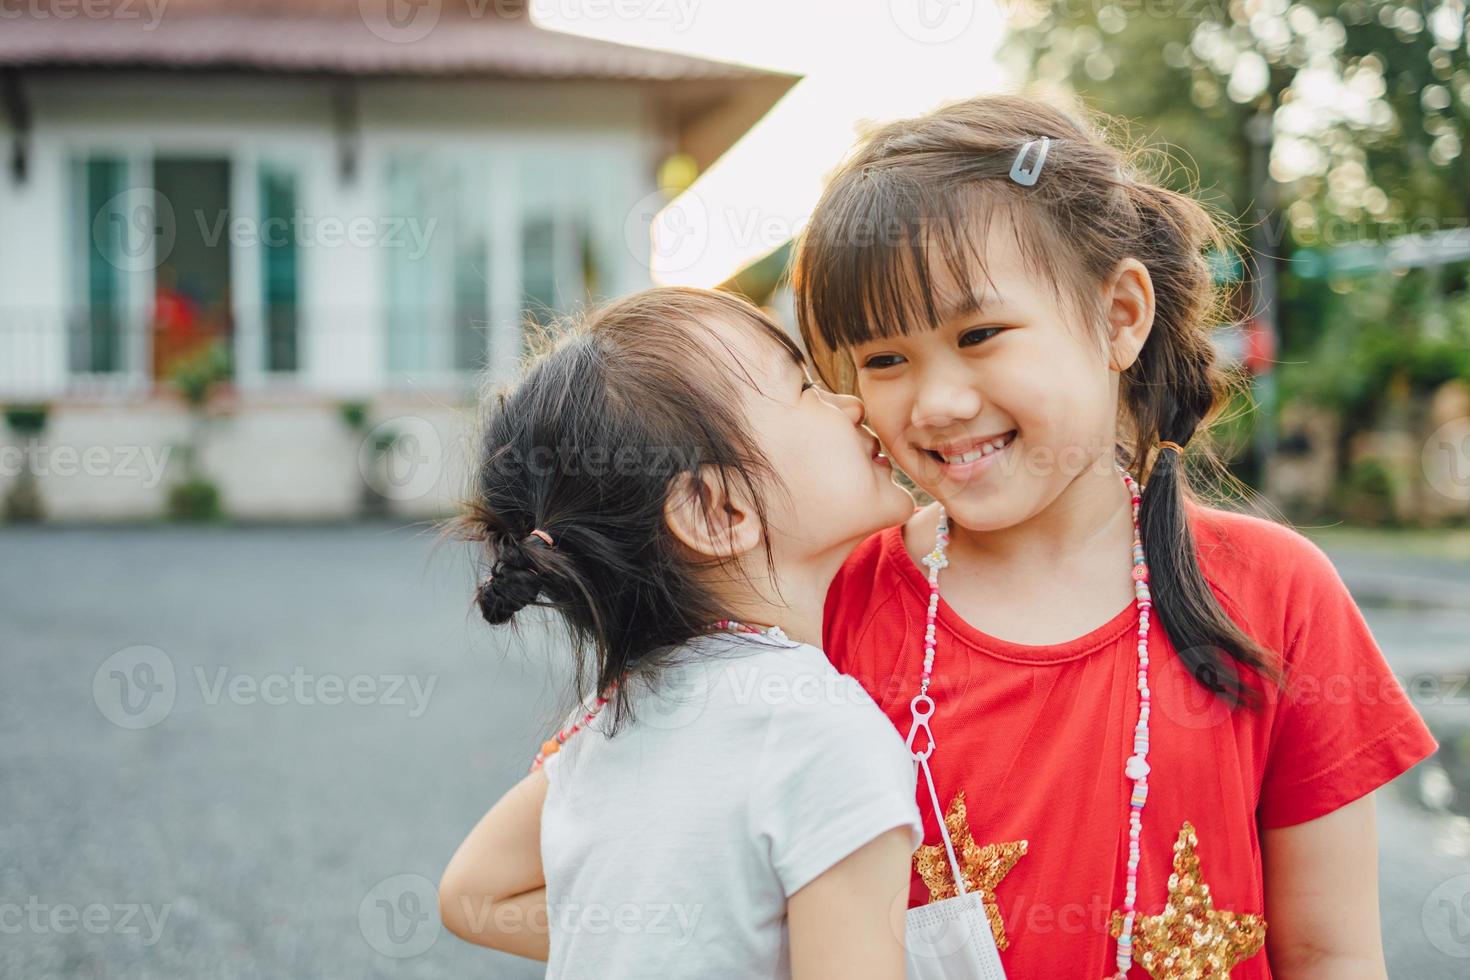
{"x":230,"y":753}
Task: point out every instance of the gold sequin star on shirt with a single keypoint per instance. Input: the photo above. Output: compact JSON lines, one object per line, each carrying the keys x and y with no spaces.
{"x":1189,"y":940}
{"x":984,"y":867}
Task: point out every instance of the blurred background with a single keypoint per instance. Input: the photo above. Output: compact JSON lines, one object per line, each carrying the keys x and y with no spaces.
{"x":259,"y":257}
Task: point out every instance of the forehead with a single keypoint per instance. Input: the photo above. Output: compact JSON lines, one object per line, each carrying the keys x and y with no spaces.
{"x":997,"y":275}
{"x":751,"y":350}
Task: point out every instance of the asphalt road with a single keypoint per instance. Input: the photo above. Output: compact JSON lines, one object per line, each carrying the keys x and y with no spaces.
{"x":250,"y":752}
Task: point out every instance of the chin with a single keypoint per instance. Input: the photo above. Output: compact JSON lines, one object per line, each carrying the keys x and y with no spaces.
{"x":975,"y":514}
{"x":898,"y":506}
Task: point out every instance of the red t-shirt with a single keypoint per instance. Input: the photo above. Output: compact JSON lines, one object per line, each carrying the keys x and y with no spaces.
{"x":1035,"y":738}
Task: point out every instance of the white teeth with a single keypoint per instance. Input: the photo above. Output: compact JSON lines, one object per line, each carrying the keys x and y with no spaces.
{"x":979,"y":452}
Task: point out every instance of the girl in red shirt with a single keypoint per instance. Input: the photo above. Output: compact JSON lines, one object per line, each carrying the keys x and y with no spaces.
{"x":1028,"y":321}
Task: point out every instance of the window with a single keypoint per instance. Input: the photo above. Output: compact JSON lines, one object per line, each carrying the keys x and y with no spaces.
{"x":560,"y":268}
{"x":437,"y":246}
{"x":520,"y":238}
{"x":95,"y":344}
{"x":280,"y":264}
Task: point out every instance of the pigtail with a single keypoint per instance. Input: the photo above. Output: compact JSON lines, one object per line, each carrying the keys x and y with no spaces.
{"x":1170,"y":392}
{"x":524,"y":574}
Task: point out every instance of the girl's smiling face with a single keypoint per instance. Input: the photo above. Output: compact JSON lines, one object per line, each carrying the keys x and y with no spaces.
{"x":997,"y":410}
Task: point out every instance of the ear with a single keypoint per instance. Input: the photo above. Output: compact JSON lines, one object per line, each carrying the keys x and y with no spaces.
{"x":711,"y":516}
{"x":1128,"y":306}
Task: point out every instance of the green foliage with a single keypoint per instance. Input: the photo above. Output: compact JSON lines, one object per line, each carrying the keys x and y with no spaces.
{"x":354,"y":415}
{"x":196,"y":375}
{"x":1375,"y":336}
{"x":1366,"y":495}
{"x":195,"y":499}
{"x":26,"y":420}
{"x":1370,"y":99}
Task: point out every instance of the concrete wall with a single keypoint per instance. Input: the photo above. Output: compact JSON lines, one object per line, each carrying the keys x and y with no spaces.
{"x":272,"y":459}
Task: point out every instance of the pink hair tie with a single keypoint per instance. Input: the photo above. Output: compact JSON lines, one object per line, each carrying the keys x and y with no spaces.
{"x":538,"y":533}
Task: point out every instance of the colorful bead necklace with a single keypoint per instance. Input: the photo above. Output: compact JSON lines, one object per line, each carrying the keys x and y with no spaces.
{"x":773,"y":632}
{"x":1136,"y":768}
{"x":553,"y":745}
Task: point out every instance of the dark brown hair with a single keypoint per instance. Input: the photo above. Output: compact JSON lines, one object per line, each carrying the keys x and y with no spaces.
{"x":588,"y":447}
{"x":924,"y":191}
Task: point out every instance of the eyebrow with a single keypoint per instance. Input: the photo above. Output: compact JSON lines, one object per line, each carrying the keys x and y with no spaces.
{"x":970,"y":303}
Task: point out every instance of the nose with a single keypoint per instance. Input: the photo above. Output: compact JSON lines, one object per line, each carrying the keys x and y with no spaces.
{"x":850,"y":405}
{"x":945,"y":399}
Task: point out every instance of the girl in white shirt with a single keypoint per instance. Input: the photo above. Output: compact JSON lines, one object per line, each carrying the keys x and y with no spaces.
{"x":723,"y":803}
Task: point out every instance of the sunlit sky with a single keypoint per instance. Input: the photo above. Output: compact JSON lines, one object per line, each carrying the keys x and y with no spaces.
{"x":862,"y":61}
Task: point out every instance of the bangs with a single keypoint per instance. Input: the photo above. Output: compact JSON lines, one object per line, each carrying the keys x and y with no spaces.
{"x":887,"y":255}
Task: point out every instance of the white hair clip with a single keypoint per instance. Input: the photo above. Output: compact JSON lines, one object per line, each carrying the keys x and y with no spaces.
{"x":1023,"y":175}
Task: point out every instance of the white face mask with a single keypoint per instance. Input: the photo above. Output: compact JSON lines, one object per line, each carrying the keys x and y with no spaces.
{"x":951,"y":939}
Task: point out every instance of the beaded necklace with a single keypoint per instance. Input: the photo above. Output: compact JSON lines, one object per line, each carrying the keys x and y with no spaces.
{"x":1136,"y":768}
{"x":553,"y":745}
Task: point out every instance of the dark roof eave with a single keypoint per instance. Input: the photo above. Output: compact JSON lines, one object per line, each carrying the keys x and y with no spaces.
{"x":244,"y":43}
{"x":228,"y":67}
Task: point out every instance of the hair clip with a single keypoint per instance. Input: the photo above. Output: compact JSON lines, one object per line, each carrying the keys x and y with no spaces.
{"x":538,"y":533}
{"x":1021,"y":174}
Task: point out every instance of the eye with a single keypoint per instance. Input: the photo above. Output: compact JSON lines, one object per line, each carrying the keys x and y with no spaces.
{"x":978,"y":335}
{"x":880,"y":361}
{"x":807,"y":385}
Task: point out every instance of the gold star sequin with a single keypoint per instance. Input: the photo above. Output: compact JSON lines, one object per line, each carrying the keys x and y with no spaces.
{"x":1189,"y":939}
{"x":984,"y":867}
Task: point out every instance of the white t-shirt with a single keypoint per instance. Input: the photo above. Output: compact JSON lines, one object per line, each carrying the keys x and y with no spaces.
{"x":670,"y":849}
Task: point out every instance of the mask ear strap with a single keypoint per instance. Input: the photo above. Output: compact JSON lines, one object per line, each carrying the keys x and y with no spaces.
{"x":921,"y":709}
{"x":1027,"y":176}
{"x":954,"y":862}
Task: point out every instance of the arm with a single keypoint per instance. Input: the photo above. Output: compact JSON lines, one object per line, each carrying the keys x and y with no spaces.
{"x":848,"y":922}
{"x":1322,"y":897}
{"x":494,"y":892}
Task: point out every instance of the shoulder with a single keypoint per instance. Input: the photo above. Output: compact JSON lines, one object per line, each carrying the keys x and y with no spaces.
{"x":865,"y":564}
{"x":796,"y":696}
{"x":815,"y":715}
{"x":1274,"y":581}
{"x":794,"y":685}
{"x":1234,"y":547}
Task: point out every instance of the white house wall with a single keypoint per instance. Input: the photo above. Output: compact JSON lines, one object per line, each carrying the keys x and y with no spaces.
{"x":280,"y":447}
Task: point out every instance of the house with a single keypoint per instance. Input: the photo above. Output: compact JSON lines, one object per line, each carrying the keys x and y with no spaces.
{"x":357,"y":203}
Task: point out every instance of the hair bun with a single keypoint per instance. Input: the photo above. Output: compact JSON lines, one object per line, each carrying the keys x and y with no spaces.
{"x":512,"y":586}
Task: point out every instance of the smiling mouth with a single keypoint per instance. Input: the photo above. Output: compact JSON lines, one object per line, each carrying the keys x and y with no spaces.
{"x":959,"y":454}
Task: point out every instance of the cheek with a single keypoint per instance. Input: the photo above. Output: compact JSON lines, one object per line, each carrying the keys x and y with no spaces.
{"x":889,"y":408}
{"x":1070,"y":395}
